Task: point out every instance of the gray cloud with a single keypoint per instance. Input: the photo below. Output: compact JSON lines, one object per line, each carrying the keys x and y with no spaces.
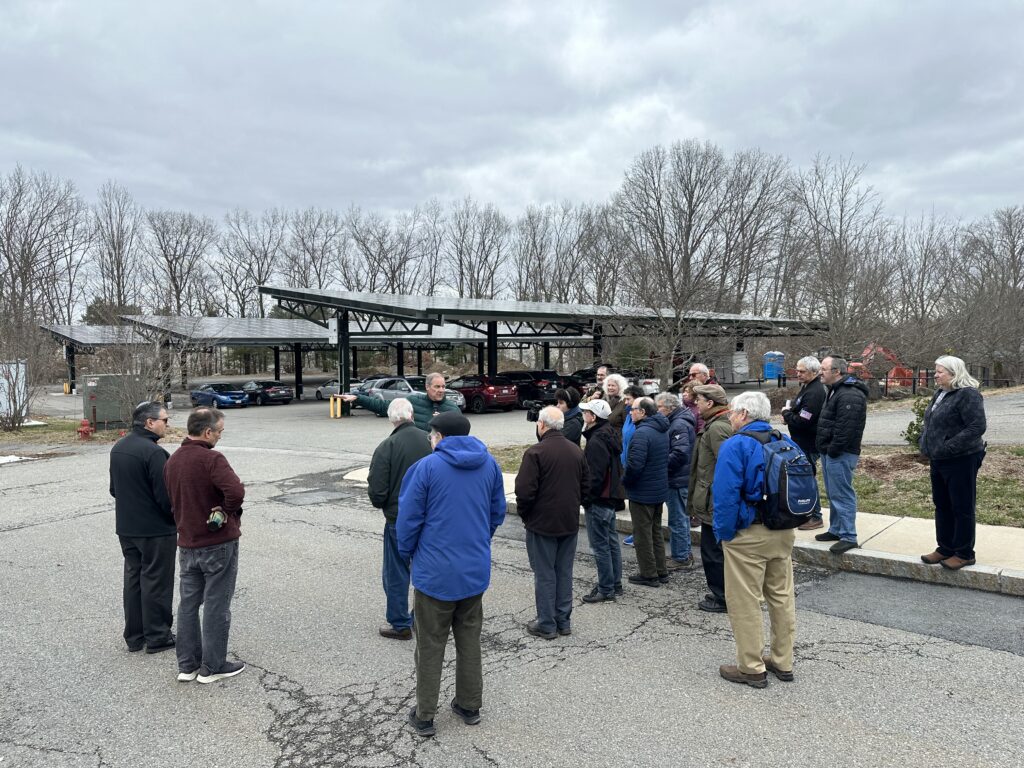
{"x":206,"y":106}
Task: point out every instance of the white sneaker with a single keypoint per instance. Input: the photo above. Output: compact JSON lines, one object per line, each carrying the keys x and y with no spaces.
{"x":230,"y":669}
{"x":188,"y":677}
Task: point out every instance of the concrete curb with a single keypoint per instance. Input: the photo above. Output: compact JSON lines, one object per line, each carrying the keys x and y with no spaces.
{"x":985,"y":578}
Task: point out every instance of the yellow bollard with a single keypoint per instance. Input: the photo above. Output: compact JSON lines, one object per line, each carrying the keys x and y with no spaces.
{"x":67,"y":387}
{"x":337,"y":405}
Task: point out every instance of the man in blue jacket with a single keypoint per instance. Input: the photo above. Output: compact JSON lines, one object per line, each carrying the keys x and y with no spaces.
{"x":682,"y":433}
{"x":646,"y":482}
{"x":449,"y":507}
{"x":758,"y":561}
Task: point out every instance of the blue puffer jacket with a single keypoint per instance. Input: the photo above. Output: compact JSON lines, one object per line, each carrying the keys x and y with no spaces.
{"x":682,"y":431}
{"x":646,"y":475}
{"x":450,"y":505}
{"x":628,"y":428}
{"x":739,"y":481}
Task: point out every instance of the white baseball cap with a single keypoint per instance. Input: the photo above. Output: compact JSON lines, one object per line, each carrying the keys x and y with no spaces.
{"x":599,"y":408}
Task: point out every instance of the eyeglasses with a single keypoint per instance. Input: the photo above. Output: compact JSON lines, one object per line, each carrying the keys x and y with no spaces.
{"x":165,"y":419}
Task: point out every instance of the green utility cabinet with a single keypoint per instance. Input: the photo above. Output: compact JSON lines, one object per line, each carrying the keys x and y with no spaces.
{"x":108,"y":399}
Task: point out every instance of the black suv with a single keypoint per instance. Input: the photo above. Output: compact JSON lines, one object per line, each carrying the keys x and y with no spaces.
{"x":533,"y":385}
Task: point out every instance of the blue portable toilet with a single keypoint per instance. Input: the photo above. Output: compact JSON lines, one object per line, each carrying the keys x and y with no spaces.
{"x":774,"y":365}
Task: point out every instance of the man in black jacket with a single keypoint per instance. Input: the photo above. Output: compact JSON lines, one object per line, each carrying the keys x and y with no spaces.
{"x":840,"y":429}
{"x":801,"y":416}
{"x":145,"y":527}
{"x":552,"y":483}
{"x":391,"y":460}
{"x":606,"y":497}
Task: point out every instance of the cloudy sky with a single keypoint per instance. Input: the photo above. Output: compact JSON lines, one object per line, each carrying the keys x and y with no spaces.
{"x":211,"y":105}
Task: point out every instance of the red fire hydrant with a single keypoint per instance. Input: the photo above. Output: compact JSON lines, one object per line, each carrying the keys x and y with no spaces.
{"x":85,"y":430}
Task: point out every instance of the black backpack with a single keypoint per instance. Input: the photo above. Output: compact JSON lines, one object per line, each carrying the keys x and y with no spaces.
{"x":789,"y":497}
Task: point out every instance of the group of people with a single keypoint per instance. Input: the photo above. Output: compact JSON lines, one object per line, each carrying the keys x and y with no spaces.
{"x":442,"y":496}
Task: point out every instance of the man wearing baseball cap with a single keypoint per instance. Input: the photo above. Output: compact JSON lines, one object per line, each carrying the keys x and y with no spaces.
{"x":606,"y":497}
{"x":450,"y":505}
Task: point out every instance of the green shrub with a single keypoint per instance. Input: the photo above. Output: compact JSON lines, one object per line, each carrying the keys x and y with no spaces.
{"x":912,"y":434}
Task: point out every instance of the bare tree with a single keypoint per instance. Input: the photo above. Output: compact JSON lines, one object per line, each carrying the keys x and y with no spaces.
{"x":251,"y":250}
{"x":477,"y":249}
{"x":314,"y":248}
{"x":389,"y":251}
{"x":117,"y":242}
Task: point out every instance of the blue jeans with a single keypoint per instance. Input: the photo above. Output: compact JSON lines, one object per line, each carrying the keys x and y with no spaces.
{"x":551,"y":558}
{"x":208,"y":579}
{"x":838,"y":476}
{"x":678,"y":524}
{"x":394,"y":575}
{"x":604,"y":543}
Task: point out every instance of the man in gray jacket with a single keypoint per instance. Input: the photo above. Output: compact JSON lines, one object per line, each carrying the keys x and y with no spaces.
{"x":403,"y":447}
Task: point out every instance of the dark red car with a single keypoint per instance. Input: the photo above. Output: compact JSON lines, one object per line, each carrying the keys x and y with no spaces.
{"x":483,"y":392}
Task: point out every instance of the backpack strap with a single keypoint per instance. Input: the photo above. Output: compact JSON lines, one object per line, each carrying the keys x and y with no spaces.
{"x":762,"y":437}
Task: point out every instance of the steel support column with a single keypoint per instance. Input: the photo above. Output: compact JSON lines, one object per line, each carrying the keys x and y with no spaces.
{"x":419,"y":361}
{"x":547,"y":355}
{"x":69,"y":354}
{"x":298,"y":371}
{"x":343,"y":358}
{"x":277,"y":363}
{"x":400,"y":359}
{"x":355,"y":363}
{"x":492,"y":348}
{"x":598,"y":343}
{"x":480,"y":359}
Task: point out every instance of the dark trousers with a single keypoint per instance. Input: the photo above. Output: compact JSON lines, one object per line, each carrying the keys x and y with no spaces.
{"x":433,"y":620}
{"x":713,"y":559}
{"x":208,"y":577}
{"x":148,"y":589}
{"x":954,"y":492}
{"x":813,"y":457}
{"x":395,"y":578}
{"x":648,"y":540}
{"x":551,"y":558}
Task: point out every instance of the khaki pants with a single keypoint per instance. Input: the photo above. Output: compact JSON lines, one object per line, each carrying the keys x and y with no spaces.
{"x":759,"y":563}
{"x":434,"y":619}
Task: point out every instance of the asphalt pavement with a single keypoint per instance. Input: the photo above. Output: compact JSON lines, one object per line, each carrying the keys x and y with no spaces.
{"x":887,"y":672}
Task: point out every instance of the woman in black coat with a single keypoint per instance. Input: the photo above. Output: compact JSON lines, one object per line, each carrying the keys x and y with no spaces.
{"x":568,"y":401}
{"x":953,"y":425}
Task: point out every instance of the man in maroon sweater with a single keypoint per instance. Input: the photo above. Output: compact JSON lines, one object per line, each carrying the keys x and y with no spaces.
{"x":206,"y":499}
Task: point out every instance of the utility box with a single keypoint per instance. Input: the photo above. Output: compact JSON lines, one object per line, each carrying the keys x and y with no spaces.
{"x":13,"y":392}
{"x":108,"y":399}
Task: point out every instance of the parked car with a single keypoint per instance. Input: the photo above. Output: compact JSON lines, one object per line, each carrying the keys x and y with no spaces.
{"x":532,"y":385}
{"x":396,"y":386}
{"x":483,"y":392}
{"x":331,"y":387}
{"x":219,"y":396}
{"x":264,"y":391}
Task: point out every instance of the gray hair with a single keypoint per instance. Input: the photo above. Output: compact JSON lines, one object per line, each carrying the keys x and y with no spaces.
{"x":431,"y":377}
{"x":551,"y":417}
{"x":756,"y":405}
{"x":646,"y":405}
{"x":840,"y":365}
{"x":668,"y":400}
{"x":145,"y":411}
{"x":811,"y":363}
{"x":619,"y":379}
{"x":700,"y":368}
{"x":400,"y":410}
{"x":958,"y":370}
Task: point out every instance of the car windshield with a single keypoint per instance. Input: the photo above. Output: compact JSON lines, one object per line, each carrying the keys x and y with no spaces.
{"x":270,"y":383}
{"x":223,"y":387}
{"x":419,"y":383}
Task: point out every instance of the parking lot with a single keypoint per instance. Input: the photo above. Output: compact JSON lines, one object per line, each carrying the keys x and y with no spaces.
{"x":888,"y":673}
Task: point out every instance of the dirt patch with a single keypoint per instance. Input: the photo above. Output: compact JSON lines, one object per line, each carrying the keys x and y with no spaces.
{"x":894,"y":466}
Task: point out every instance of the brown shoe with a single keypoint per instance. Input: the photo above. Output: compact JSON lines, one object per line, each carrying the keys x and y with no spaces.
{"x":386,"y":630}
{"x":934,"y":558}
{"x":812,"y":525}
{"x":671,"y":564}
{"x":732,"y":673}
{"x":786,"y":677}
{"x":955,"y":563}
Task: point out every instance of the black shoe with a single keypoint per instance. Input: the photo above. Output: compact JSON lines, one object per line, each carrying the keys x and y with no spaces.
{"x":618,"y":590}
{"x":135,"y":647}
{"x":663,"y":578}
{"x":165,"y":645}
{"x":422,"y":727}
{"x":230,"y":669}
{"x":826,"y":536}
{"x":394,"y":633}
{"x":597,"y":596}
{"x":565,"y":631}
{"x":843,"y":546}
{"x":534,"y":629}
{"x":711,"y":605}
{"x":469,"y":716}
{"x":636,"y":578}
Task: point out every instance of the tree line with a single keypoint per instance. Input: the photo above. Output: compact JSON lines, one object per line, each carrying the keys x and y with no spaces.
{"x":690,"y":228}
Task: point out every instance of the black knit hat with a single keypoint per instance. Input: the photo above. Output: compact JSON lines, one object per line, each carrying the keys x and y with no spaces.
{"x":450,"y":424}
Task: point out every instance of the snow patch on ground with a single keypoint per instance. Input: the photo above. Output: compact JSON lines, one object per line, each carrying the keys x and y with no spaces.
{"x":12,"y":459}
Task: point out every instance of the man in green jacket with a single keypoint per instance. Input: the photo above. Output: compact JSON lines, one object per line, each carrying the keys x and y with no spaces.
{"x":424,"y":406}
{"x":403,"y":447}
{"x":714,"y":409}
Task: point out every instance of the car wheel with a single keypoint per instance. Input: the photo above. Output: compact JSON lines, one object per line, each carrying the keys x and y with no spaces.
{"x":318,"y":395}
{"x":478,"y":405}
{"x":195,"y":403}
{"x":285,"y":402}
{"x":521,"y":401}
{"x":262,"y":400}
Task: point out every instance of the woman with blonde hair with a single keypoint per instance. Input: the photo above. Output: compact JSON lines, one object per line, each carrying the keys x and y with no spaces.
{"x":951,"y":438}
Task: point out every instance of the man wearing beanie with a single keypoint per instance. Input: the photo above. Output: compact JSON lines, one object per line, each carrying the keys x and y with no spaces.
{"x":714,"y":409}
{"x":450,"y":505}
